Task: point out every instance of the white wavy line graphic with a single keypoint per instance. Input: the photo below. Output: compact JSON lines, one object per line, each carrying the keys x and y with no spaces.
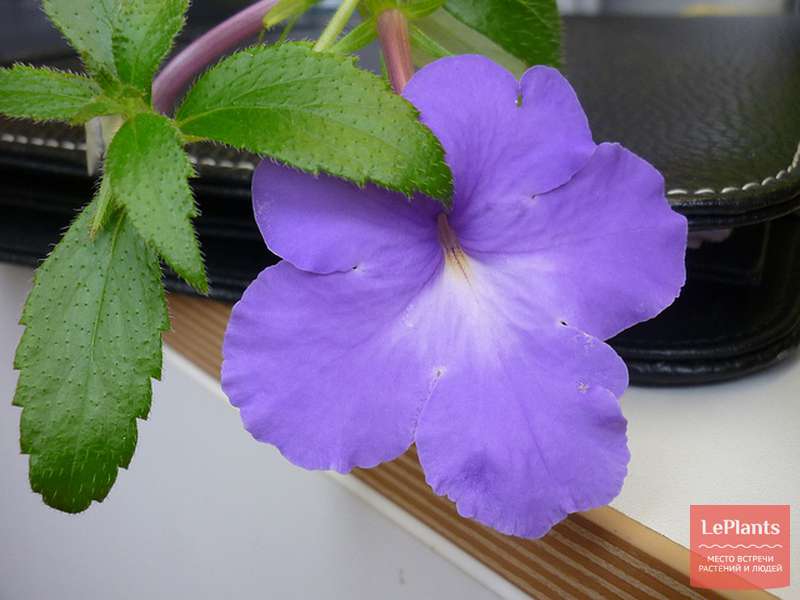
{"x":771,"y":547}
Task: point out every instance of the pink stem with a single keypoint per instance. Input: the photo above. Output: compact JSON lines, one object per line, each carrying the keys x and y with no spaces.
{"x":179,"y":72}
{"x":393,"y":35}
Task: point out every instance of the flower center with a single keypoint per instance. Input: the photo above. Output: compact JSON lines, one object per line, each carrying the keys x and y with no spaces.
{"x":454,"y":255}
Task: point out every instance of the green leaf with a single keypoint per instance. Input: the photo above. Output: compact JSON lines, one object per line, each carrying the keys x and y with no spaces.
{"x":92,"y":342}
{"x":103,"y":202}
{"x":45,"y":94}
{"x":412,"y":9}
{"x":102,"y":106}
{"x":87,"y":24}
{"x":416,"y":9}
{"x":428,"y":47}
{"x":142,"y":37}
{"x":358,"y":37}
{"x":284,"y":10}
{"x":457,"y":38}
{"x":530,"y":30}
{"x":148,"y":171}
{"x":318,"y":112}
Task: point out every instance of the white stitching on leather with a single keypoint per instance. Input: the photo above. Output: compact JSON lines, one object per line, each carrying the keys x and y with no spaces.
{"x":50,"y":143}
{"x":246,"y":165}
{"x":747,"y":186}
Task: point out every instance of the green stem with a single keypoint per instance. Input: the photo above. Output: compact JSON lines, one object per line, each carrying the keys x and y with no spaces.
{"x":288,"y":28}
{"x":358,"y":37}
{"x":103,"y":204}
{"x":336,"y":25}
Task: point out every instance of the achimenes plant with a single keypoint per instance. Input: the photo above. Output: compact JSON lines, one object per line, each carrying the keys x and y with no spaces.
{"x":475,"y":303}
{"x":94,"y":318}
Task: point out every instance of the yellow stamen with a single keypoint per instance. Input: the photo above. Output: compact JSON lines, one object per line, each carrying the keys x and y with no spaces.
{"x":454,"y":255}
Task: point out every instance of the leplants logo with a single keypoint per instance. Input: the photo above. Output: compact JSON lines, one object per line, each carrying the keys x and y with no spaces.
{"x":739,"y":546}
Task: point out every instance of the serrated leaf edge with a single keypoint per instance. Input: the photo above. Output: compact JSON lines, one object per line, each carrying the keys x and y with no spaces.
{"x":443,"y":195}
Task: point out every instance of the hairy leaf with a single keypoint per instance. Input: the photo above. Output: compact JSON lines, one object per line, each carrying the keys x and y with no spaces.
{"x":91,"y":344}
{"x":149,"y":172}
{"x":527,"y":29}
{"x":45,"y":95}
{"x":87,"y":24}
{"x":318,"y":112}
{"x":142,"y":37}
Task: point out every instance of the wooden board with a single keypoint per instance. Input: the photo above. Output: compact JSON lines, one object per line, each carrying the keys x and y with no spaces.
{"x":596,"y":554}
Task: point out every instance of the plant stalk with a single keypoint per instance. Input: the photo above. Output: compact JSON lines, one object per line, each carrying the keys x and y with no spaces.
{"x":179,"y":72}
{"x":336,"y":25}
{"x":396,"y":47}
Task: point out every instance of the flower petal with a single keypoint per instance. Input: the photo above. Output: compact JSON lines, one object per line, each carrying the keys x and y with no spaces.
{"x":322,"y":366}
{"x":323,"y":224}
{"x":521,"y":440}
{"x":523,"y":425}
{"x":501,"y":136}
{"x":518,"y":449}
{"x":603,"y":252}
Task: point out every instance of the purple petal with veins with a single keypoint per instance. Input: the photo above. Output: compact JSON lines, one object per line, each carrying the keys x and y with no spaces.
{"x":476,"y":334}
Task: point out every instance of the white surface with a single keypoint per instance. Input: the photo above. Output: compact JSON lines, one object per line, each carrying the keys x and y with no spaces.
{"x":203,"y":512}
{"x":732,"y":443}
{"x":206,"y":511}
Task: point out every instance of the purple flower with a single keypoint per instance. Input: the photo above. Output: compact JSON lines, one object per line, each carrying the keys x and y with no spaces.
{"x":476,"y":334}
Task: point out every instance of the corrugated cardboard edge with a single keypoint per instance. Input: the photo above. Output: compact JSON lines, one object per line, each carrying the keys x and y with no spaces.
{"x":597,"y":554}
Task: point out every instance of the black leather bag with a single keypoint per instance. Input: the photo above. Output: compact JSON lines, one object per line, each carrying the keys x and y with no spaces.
{"x":713,"y":103}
